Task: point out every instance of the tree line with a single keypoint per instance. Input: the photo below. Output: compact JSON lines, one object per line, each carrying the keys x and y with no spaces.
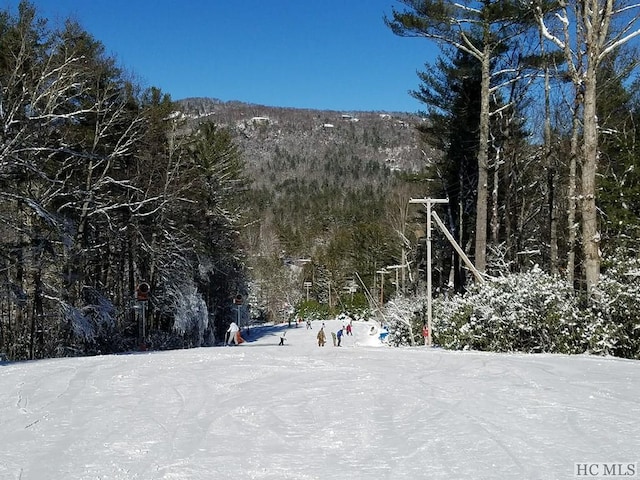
{"x":535,"y":106}
{"x":102,"y":190}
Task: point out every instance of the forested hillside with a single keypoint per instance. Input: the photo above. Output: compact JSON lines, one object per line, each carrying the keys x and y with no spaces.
{"x":323,"y":186}
{"x":112,"y":237}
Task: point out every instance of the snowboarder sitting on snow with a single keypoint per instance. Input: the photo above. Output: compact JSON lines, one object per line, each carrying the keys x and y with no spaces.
{"x":282,"y":337}
{"x":321,"y":338}
{"x":339,"y":335}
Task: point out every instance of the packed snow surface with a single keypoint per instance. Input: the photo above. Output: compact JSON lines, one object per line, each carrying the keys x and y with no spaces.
{"x":300,"y":411}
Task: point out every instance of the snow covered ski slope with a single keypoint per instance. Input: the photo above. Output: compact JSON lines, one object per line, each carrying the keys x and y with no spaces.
{"x":299,"y":411}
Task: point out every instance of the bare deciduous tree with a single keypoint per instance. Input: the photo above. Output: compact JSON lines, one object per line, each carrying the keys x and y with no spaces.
{"x":587,"y":31}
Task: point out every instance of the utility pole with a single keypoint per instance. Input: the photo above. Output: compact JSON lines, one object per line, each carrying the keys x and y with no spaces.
{"x":428,"y":203}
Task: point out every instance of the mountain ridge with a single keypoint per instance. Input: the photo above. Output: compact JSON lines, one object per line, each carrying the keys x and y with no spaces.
{"x":266,"y":133}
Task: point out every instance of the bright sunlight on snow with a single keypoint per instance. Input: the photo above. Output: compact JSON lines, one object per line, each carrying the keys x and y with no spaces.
{"x":300,"y":411}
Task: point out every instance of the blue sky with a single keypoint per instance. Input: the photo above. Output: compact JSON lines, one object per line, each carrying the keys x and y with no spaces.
{"x":330,"y":54}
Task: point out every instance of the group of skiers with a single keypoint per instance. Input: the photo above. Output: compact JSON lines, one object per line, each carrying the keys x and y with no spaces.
{"x":335,"y":336}
{"x":234,"y":336}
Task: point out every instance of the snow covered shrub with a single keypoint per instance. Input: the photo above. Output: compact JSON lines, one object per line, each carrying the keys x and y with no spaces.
{"x":312,"y":310}
{"x":362,"y":314}
{"x":355,"y":314}
{"x":532,"y":312}
{"x":345,"y":318}
{"x":191,"y":315}
{"x":404,"y":318}
{"x":80,"y":324}
{"x":614,"y":312}
{"x":92,"y":325}
{"x":182,"y":317}
{"x":527,"y":312}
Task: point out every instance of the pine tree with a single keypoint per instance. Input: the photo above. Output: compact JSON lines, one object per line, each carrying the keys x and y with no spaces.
{"x":451,"y":94}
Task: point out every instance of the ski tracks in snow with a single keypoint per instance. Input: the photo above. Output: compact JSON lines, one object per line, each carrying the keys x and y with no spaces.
{"x":362,"y":411}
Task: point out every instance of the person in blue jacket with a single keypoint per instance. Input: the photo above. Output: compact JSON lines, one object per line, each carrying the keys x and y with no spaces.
{"x":339,"y":335}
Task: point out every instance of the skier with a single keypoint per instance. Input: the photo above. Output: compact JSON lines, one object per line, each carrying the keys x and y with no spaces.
{"x":321,"y":338}
{"x":333,"y":337}
{"x":339,"y":335}
{"x":349,"y":332}
{"x":282,"y":337}
{"x":231,"y":332}
{"x":425,"y":333}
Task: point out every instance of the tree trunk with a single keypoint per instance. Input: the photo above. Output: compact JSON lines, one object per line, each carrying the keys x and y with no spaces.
{"x":495,"y":218}
{"x":572,"y":190}
{"x":551,"y":170}
{"x":483,"y":168}
{"x":590,"y":233}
